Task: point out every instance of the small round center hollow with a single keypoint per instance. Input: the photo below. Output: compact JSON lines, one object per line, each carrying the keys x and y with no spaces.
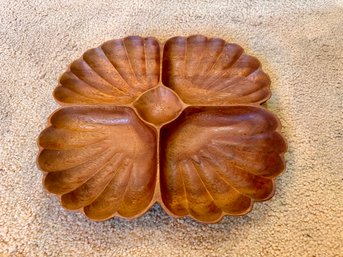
{"x":158,"y":105}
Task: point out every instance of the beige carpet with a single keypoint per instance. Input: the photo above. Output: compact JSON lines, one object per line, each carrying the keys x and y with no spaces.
{"x":300,"y":44}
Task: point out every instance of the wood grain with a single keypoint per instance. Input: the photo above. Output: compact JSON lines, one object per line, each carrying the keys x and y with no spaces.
{"x":187,"y":132}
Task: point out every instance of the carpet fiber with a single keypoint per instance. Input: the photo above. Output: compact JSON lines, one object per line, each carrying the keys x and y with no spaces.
{"x":300,"y":46}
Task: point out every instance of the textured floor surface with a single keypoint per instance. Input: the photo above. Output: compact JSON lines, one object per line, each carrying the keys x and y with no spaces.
{"x":300,"y":44}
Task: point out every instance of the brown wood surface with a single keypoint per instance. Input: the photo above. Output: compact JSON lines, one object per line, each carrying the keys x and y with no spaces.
{"x":179,"y":124}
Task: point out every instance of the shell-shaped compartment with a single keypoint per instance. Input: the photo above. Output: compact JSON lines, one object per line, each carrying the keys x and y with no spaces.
{"x":216,"y":161}
{"x":205,"y":71}
{"x":116,"y":72}
{"x":101,"y":159}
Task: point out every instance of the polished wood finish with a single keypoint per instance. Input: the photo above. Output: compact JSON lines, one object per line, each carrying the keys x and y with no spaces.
{"x":179,"y":124}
